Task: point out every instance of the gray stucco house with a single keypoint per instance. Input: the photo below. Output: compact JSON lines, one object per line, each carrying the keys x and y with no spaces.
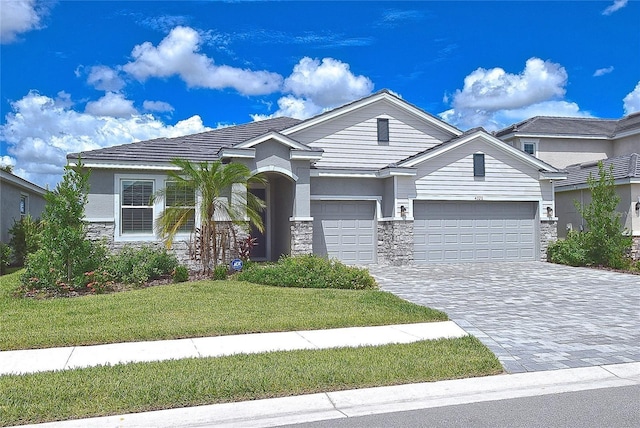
{"x":575,"y":145}
{"x":18,"y":198}
{"x":375,"y":181}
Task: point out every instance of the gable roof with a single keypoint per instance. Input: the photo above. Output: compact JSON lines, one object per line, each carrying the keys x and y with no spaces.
{"x":383,"y":94}
{"x":469,"y":136}
{"x":624,"y":167}
{"x":196,"y":147}
{"x":581,"y":127}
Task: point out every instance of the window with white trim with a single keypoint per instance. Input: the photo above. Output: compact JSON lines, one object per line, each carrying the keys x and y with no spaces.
{"x":383,"y":130}
{"x":136,"y":208}
{"x":529,"y":146}
{"x":180,"y":194}
{"x":24,"y":201}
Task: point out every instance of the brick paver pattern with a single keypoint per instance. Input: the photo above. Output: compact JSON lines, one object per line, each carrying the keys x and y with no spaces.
{"x":533,"y":315}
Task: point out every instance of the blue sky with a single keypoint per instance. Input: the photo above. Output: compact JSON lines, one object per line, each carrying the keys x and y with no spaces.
{"x":81,"y":75}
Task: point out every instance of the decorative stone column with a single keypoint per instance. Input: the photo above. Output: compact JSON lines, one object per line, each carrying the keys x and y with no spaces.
{"x":395,"y":242}
{"x":301,"y":236}
{"x":548,"y":234}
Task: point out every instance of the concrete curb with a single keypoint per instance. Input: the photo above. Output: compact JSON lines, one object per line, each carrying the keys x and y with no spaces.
{"x":344,"y":404}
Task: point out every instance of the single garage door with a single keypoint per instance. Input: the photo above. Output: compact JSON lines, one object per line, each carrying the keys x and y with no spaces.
{"x":476,"y":231}
{"x":345,"y":230}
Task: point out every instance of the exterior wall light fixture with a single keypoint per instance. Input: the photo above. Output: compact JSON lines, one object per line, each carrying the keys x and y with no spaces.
{"x":403,"y":211}
{"x":549,"y":212}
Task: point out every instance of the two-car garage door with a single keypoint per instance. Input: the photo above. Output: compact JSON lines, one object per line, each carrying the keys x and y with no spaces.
{"x":475,"y":231}
{"x":444,"y":231}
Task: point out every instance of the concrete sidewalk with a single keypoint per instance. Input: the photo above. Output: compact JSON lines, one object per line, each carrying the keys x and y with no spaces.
{"x":38,"y":360}
{"x":369,"y":401}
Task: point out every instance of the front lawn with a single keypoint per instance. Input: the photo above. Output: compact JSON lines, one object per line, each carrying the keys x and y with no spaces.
{"x":193,"y":309}
{"x":99,"y":391}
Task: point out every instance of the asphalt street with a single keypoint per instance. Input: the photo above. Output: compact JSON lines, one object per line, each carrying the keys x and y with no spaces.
{"x":609,"y":407}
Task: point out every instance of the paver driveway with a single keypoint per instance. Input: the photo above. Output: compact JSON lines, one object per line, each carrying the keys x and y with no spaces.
{"x":534,"y":315}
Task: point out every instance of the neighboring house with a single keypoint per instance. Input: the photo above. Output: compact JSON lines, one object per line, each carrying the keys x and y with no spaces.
{"x":577,"y":144}
{"x":18,"y":198}
{"x":374,"y":181}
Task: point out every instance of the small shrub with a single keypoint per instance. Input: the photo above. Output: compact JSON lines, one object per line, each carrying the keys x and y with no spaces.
{"x":5,"y":257}
{"x":220,"y":272}
{"x":136,"y":266}
{"x":180,"y":274}
{"x":25,"y":238}
{"x":309,"y":271}
{"x":570,"y":251}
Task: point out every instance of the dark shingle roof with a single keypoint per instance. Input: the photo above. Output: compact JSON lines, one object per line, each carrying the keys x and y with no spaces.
{"x":196,"y":147}
{"x":574,"y":126}
{"x":627,"y":166}
{"x":563,"y":126}
{"x":628,"y":123}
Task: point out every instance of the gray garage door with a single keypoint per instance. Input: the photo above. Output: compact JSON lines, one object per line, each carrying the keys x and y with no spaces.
{"x":345,"y":230}
{"x":474,"y":231}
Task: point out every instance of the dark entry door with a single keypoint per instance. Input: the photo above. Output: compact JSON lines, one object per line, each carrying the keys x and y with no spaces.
{"x":259,"y":251}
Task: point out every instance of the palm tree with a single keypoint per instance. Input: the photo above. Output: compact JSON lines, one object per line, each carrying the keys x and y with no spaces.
{"x":223,"y":202}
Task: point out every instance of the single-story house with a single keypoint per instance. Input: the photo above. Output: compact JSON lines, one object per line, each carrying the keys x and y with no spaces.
{"x":575,"y":145}
{"x":18,"y":198}
{"x":377,"y":180}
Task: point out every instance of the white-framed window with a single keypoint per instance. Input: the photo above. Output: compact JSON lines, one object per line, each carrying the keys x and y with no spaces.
{"x":383,"y":130}
{"x":530,"y":146}
{"x":180,"y":194}
{"x":136,"y":207}
{"x":24,"y":205}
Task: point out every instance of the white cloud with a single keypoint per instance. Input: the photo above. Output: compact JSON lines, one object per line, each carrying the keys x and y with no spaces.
{"x":327,"y":83}
{"x":602,"y":71}
{"x":41,"y":131}
{"x":18,"y":16}
{"x":105,"y":78}
{"x":111,"y":104}
{"x":315,"y":86}
{"x":496,"y":89}
{"x":7,"y":161}
{"x":177,"y":55}
{"x":494,"y":98}
{"x":159,"y":106}
{"x":617,"y":5}
{"x":632,"y":101}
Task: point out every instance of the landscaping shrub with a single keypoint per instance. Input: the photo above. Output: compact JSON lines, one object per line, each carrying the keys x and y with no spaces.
{"x":5,"y":257}
{"x":180,"y":274}
{"x":570,"y":251}
{"x":220,"y":272}
{"x":25,"y":238}
{"x":136,"y":266}
{"x":309,"y":271}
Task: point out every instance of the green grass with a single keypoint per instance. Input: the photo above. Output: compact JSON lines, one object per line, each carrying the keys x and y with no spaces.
{"x":194,"y":309}
{"x":101,"y":391}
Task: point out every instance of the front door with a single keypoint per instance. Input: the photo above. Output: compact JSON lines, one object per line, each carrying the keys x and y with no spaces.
{"x":259,"y":251}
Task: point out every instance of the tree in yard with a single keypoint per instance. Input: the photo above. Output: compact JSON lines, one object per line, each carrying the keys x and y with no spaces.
{"x":65,"y":254}
{"x":223,"y":201}
{"x":605,"y":240}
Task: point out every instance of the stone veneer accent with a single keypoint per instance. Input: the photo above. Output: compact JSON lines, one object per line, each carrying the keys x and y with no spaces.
{"x":548,"y":234}
{"x":104,"y":231}
{"x":395,"y":242}
{"x":635,"y":248}
{"x":301,"y":237}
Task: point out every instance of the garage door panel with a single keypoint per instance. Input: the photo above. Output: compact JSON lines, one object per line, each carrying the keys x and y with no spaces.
{"x":474,"y":231}
{"x":345,"y":230}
